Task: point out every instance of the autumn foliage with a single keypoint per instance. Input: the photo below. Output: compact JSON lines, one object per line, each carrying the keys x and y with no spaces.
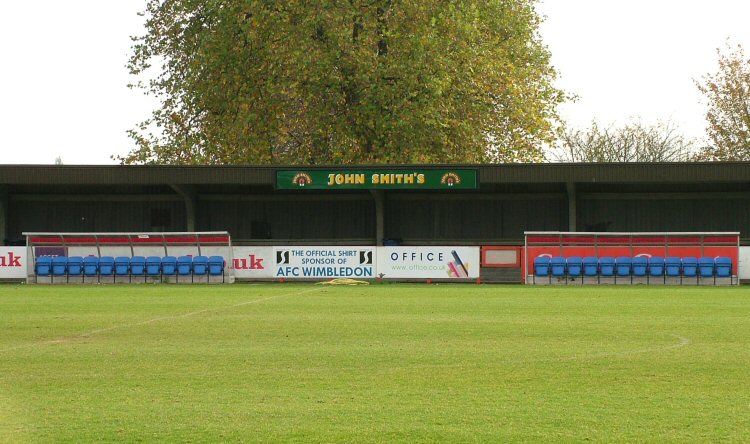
{"x":343,"y":81}
{"x":728,"y":116}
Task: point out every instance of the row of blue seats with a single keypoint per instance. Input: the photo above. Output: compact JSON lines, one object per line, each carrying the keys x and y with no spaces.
{"x":151,"y":266}
{"x":639,"y":266}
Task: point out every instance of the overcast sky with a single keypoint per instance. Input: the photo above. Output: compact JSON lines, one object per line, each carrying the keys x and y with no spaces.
{"x":63,"y":77}
{"x":639,"y":58}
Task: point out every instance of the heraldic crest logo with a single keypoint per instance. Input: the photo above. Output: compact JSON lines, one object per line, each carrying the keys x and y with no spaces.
{"x":302,"y":179}
{"x":450,"y":179}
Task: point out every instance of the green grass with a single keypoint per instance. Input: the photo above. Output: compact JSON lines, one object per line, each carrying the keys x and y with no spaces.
{"x":383,"y":363}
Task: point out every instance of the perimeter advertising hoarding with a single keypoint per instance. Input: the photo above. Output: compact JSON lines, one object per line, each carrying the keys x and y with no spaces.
{"x":13,"y":262}
{"x":428,"y":262}
{"x":744,"y":263}
{"x":253,"y":262}
{"x":324,"y":262}
{"x":386,"y":179}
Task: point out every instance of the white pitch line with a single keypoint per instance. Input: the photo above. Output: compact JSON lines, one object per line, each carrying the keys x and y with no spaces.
{"x":150,"y":321}
{"x":682,"y":342}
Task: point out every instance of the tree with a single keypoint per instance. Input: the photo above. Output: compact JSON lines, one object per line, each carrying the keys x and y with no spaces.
{"x":632,"y":142}
{"x":728,"y":116}
{"x":343,"y":81}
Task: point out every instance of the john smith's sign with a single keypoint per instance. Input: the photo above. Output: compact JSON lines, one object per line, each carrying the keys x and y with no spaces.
{"x":403,"y":179}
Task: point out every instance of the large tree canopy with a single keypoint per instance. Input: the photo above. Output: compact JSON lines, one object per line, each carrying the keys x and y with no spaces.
{"x":728,"y":116}
{"x":341,"y":81}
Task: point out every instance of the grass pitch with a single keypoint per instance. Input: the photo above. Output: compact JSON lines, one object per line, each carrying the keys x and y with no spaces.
{"x":383,"y":363}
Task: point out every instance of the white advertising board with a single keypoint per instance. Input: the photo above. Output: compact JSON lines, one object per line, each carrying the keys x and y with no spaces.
{"x":253,"y":262}
{"x":324,"y":262}
{"x":428,"y":262}
{"x":744,"y":263}
{"x":13,"y":262}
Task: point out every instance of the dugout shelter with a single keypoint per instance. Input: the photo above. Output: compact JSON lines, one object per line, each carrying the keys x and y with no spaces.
{"x":631,"y":258}
{"x":192,"y":257}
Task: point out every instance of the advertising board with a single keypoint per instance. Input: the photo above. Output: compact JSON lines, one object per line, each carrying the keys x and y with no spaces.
{"x":324,"y":262}
{"x":744,"y":263}
{"x":13,"y":263}
{"x":428,"y":262}
{"x":253,"y":262}
{"x":403,"y":179}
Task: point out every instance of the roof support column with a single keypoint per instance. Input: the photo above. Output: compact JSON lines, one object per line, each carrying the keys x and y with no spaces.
{"x":379,"y":198}
{"x":190,"y":197}
{"x":3,"y":215}
{"x":572,"y":206}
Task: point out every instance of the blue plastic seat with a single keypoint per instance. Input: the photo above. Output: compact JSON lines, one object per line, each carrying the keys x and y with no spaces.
{"x":723,"y":267}
{"x":90,"y":266}
{"x":122,"y":266}
{"x":607,"y":266}
{"x":656,"y":266}
{"x":623,"y":264}
{"x":138,"y":266}
{"x":169,"y":266}
{"x":557,"y":266}
{"x":59,"y":265}
{"x":106,"y":266}
{"x":673,"y":266}
{"x":590,"y":266}
{"x":43,"y":266}
{"x":575,"y":266}
{"x":541,"y":266}
{"x":75,"y":266}
{"x":690,"y":266}
{"x":184,"y":265}
{"x":200,"y":265}
{"x":639,"y":266}
{"x":216,"y":265}
{"x":153,"y":266}
{"x":706,"y":267}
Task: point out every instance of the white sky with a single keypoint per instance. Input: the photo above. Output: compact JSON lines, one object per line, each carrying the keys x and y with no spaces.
{"x":638,"y":58}
{"x":63,"y":77}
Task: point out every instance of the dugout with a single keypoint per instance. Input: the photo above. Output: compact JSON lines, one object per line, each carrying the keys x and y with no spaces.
{"x":504,"y":202}
{"x":129,"y":257}
{"x":631,"y":258}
